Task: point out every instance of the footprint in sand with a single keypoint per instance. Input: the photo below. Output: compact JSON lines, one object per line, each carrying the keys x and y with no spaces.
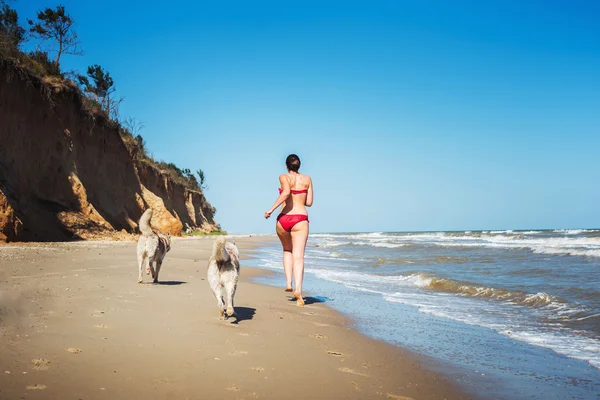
{"x":35,"y":387}
{"x":335,"y":353}
{"x":238,"y":353}
{"x":73,"y":350}
{"x":318,"y":336}
{"x":258,"y":369}
{"x":40,"y":364}
{"x":351,"y":371}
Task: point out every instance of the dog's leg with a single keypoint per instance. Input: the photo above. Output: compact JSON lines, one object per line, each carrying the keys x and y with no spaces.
{"x":219,"y":295}
{"x":215,"y":284}
{"x":151,"y":267}
{"x":158,"y":265}
{"x":141,"y":262}
{"x":230,"y":287}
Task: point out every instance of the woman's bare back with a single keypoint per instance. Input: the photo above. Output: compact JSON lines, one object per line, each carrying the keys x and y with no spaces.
{"x":296,"y":203}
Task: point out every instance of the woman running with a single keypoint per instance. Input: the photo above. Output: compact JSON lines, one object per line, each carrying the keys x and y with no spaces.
{"x":296,"y":193}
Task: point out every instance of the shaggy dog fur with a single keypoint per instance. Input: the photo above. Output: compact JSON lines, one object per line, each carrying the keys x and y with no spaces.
{"x":152,"y":247}
{"x":223,"y":273}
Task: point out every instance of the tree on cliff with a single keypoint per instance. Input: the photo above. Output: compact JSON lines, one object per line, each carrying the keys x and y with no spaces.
{"x":133,"y":140}
{"x":11,"y":33}
{"x":133,"y":125}
{"x":58,"y":26}
{"x":101,"y":88}
{"x":201,"y":177}
{"x":192,"y":181}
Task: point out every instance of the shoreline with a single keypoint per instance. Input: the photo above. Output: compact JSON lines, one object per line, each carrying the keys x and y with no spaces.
{"x":383,"y":282}
{"x":75,"y":321}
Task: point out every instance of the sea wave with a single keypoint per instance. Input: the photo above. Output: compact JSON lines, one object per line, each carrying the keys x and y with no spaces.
{"x":558,"y":339}
{"x":569,"y":244}
{"x":537,"y":318}
{"x":330,"y":244}
{"x":574,"y":231}
{"x":562,"y":309}
{"x":537,"y":315}
{"x":535,"y":300}
{"x":349,"y":235}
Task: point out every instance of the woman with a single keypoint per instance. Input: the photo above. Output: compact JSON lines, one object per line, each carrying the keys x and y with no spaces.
{"x":296,"y":193}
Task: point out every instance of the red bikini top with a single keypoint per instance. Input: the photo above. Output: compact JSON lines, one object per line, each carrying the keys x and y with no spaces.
{"x":295,"y":191}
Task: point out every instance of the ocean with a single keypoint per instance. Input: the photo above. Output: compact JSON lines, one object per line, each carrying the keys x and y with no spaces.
{"x":506,"y":314}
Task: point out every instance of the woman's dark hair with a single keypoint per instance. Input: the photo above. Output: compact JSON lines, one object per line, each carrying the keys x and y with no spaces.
{"x":292,"y":162}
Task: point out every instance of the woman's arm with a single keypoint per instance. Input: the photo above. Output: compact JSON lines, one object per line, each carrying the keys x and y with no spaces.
{"x":285,"y":193}
{"x":309,"y":195}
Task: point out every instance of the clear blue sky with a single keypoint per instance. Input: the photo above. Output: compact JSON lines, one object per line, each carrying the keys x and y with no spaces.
{"x":409,"y":115}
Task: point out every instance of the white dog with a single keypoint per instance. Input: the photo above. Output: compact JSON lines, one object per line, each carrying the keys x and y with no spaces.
{"x":152,"y":247}
{"x":223,"y":274}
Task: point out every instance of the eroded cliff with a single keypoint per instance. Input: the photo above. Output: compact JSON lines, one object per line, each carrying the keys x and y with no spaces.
{"x":66,"y":173}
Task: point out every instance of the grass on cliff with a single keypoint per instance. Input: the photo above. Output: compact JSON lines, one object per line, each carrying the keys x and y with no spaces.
{"x":216,"y":232}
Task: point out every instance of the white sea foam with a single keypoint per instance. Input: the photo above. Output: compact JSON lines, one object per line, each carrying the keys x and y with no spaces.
{"x":565,"y":244}
{"x":349,"y":235}
{"x":515,"y":326}
{"x":566,"y":251}
{"x":579,"y":347}
{"x":388,"y":245}
{"x":585,"y":247}
{"x":537,"y":317}
{"x":557,"y":308}
{"x":329,"y":244}
{"x":574,"y":231}
{"x":503,"y":311}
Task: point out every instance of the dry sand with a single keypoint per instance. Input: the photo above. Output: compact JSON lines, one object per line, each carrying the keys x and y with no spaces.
{"x":75,"y":324}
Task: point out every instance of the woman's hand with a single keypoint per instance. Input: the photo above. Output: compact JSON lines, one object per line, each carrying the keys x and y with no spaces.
{"x":268,"y":214}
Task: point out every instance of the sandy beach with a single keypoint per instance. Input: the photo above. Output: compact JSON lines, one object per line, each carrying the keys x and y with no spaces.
{"x":75,"y":324}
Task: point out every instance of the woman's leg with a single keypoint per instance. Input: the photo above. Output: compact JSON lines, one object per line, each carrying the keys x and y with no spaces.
{"x":299,"y":239}
{"x":286,"y":242}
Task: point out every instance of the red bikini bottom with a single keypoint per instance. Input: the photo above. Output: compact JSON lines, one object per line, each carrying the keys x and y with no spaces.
{"x":288,"y":221}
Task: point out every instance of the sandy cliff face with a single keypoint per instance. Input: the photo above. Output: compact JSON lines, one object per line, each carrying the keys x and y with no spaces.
{"x":187,"y":206}
{"x":65,"y":174}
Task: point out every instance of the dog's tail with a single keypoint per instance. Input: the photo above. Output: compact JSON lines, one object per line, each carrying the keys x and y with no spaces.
{"x":220,"y":254}
{"x":144,"y":225}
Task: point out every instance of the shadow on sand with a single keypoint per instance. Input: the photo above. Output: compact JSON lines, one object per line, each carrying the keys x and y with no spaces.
{"x":315,"y":299}
{"x":244,"y":314}
{"x":312,"y":299}
{"x":171,"y":283}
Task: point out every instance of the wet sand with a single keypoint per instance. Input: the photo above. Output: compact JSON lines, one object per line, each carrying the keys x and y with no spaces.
{"x":75,"y":324}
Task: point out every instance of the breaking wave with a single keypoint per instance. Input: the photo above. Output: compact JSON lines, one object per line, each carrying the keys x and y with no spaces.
{"x":536,"y":300}
{"x":584,"y":243}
